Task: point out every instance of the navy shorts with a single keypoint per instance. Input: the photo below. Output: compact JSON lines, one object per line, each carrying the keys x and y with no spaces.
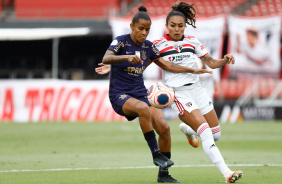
{"x":118,"y":100}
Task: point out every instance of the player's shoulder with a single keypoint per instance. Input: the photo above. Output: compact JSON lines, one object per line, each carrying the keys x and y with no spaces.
{"x":190,"y":38}
{"x":119,"y":40}
{"x":159,"y":42}
{"x":122,"y":37}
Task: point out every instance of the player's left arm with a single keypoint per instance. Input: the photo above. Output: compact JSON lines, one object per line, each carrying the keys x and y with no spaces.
{"x":217,"y":63}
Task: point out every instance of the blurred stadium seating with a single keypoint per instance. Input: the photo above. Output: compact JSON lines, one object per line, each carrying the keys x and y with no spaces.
{"x":203,"y":7}
{"x":265,"y":7}
{"x":63,"y":9}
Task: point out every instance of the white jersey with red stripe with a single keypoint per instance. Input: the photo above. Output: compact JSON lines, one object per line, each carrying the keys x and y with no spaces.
{"x":181,"y":53}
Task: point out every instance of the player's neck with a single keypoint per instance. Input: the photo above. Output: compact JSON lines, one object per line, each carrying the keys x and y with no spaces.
{"x":134,"y":40}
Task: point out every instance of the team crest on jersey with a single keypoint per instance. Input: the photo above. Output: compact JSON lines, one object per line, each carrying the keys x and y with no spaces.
{"x":189,"y":104}
{"x":144,"y":55}
{"x":123,"y":96}
{"x":202,"y":47}
{"x":177,"y":47}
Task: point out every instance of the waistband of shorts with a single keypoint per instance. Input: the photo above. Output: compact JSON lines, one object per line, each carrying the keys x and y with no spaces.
{"x":186,"y":86}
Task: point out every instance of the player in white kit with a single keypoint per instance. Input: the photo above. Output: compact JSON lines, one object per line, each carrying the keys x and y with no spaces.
{"x":192,"y":102}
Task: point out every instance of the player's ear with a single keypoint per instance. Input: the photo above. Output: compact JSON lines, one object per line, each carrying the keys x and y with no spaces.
{"x":131,"y":26}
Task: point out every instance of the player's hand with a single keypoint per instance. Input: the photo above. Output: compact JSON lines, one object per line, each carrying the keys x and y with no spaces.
{"x":201,"y":71}
{"x":134,"y":59}
{"x":103,"y":69}
{"x":229,"y":59}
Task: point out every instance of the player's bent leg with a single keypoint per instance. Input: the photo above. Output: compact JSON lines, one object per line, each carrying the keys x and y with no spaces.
{"x":191,"y":122}
{"x":190,"y":134}
{"x":162,"y":127}
{"x":132,"y":107}
{"x":216,"y":132}
{"x":212,"y":120}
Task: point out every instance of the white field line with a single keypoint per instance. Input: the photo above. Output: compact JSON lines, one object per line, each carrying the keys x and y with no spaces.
{"x":137,"y":167}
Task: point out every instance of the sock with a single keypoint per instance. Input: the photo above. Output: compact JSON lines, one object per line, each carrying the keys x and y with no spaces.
{"x":210,"y":148}
{"x":152,"y":141}
{"x":164,"y":171}
{"x":216,"y":132}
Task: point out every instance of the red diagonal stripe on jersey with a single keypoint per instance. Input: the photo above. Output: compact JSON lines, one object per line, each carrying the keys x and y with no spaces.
{"x":157,"y":41}
{"x":179,"y":106}
{"x":166,"y":49}
{"x":202,"y":129}
{"x":188,"y":45}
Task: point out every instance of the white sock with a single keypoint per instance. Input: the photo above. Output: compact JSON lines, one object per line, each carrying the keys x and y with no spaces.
{"x":216,"y":132}
{"x":211,"y":150}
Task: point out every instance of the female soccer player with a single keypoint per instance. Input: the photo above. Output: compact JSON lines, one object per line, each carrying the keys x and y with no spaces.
{"x":128,"y":56}
{"x":192,"y":103}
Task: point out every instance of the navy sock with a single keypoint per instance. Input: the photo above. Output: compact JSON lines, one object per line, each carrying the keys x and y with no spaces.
{"x":164,"y":171}
{"x":152,"y":141}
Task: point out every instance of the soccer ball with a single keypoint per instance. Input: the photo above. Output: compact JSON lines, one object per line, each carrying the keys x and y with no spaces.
{"x":160,"y":95}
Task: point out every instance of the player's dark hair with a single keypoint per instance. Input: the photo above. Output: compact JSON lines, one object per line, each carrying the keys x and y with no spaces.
{"x":185,"y":10}
{"x":142,"y":14}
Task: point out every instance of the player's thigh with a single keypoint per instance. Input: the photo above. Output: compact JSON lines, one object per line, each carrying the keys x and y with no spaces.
{"x":159,"y":121}
{"x":194,"y":119}
{"x":134,"y":107}
{"x":211,"y":118}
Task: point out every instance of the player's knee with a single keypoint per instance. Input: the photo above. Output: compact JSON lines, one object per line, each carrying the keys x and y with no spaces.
{"x":164,"y":130}
{"x":143,"y":109}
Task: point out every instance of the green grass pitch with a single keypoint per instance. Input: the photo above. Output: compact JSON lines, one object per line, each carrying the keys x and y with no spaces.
{"x":94,"y":153}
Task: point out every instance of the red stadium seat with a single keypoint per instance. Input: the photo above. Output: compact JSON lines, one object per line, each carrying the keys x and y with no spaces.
{"x":63,"y":8}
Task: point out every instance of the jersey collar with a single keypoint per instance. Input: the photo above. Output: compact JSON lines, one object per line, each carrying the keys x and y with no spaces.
{"x":129,"y":37}
{"x":169,"y":39}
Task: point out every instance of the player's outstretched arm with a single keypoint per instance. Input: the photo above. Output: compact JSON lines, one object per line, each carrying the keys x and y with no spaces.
{"x":111,"y":58}
{"x":103,"y":69}
{"x":217,"y":63}
{"x":177,"y":68}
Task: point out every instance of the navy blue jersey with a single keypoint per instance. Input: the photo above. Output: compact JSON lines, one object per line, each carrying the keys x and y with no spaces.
{"x":126,"y":77}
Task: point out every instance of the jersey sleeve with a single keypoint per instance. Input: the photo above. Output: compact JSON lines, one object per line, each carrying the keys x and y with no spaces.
{"x":200,"y":50}
{"x":116,"y":45}
{"x":155,"y":54}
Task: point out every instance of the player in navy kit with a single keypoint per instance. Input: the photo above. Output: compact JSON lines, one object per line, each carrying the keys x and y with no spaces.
{"x":128,"y":56}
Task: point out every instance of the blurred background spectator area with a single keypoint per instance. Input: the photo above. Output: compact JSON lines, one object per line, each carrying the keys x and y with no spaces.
{"x":77,"y":56}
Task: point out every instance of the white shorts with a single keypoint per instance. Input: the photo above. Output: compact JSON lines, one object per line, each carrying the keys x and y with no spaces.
{"x":190,"y":98}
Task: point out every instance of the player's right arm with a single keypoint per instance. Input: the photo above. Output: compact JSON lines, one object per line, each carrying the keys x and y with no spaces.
{"x":111,"y":58}
{"x":165,"y":65}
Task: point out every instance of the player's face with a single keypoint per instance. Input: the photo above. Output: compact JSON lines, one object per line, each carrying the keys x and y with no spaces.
{"x":176,"y":26}
{"x":140,"y":30}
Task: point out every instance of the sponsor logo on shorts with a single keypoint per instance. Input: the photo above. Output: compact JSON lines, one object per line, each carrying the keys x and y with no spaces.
{"x":123,"y":96}
{"x":189,"y":104}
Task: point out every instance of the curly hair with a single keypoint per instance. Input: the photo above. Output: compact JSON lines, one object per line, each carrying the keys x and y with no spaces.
{"x":187,"y":11}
